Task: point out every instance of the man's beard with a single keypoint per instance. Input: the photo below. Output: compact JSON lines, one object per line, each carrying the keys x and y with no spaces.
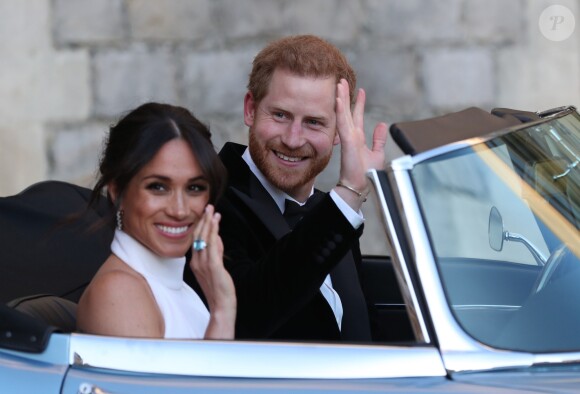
{"x":287,"y":180}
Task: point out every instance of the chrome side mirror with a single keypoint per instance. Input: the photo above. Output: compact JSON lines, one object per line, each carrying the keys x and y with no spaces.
{"x":495,"y":230}
{"x":497,"y":234}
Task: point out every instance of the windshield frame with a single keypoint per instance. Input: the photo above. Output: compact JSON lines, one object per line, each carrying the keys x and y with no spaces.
{"x":461,"y":351}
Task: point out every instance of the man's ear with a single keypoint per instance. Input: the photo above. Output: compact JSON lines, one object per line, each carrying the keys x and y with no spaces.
{"x":249,"y":109}
{"x":336,"y":139}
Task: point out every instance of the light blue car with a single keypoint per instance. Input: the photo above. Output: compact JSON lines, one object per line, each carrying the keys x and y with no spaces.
{"x":480,"y":292}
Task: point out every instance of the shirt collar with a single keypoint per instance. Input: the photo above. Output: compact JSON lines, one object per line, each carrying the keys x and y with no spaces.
{"x":278,"y":195}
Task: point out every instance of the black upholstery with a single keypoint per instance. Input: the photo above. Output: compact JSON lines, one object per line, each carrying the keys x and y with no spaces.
{"x":54,"y":311}
{"x":20,"y":332}
{"x":44,"y":251}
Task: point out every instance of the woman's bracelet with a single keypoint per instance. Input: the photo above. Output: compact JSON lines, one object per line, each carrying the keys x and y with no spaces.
{"x":359,"y":194}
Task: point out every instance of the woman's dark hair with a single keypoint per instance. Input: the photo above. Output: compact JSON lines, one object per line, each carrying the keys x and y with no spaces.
{"x":140,"y":134}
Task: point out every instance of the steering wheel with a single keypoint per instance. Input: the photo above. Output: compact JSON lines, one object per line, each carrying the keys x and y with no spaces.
{"x":554,"y":264}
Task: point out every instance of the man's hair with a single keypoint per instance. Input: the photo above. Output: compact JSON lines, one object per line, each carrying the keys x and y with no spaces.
{"x":303,"y":55}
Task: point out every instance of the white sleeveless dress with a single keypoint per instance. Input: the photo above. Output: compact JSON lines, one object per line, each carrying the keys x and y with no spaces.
{"x":184,"y":313}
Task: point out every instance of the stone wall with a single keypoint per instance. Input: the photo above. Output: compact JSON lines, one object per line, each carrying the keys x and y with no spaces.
{"x":69,"y":68}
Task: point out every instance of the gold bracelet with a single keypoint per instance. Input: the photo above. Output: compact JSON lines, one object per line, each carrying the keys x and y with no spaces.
{"x":359,"y":194}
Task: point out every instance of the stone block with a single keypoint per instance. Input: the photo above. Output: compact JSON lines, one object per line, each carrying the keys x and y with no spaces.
{"x":342,"y":21}
{"x":172,"y":20}
{"x":496,"y":21}
{"x":124,"y":79}
{"x":413,"y":22}
{"x":66,"y":91}
{"x":336,"y":20}
{"x":74,"y":152}
{"x":215,"y":82}
{"x":22,"y":156}
{"x":238,"y":19}
{"x":544,"y":83}
{"x":46,"y":86}
{"x":88,"y":21}
{"x":458,"y":78}
{"x":24,"y":26}
{"x":390,"y":81}
{"x":536,"y":38}
{"x":227,"y":128}
{"x":19,"y":81}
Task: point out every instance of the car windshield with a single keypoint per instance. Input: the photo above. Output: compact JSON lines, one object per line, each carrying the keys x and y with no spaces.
{"x":502,"y":216}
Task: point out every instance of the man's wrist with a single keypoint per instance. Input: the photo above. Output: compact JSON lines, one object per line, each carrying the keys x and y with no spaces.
{"x":362,"y":195}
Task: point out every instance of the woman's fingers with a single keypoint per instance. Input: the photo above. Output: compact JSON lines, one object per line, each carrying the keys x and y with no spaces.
{"x":202,"y":229}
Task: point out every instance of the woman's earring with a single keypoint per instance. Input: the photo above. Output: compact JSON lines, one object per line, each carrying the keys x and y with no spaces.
{"x":120,"y":213}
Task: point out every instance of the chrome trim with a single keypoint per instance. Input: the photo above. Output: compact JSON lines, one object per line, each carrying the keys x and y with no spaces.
{"x":254,"y":359}
{"x":557,"y":358}
{"x":479,"y":306}
{"x":536,"y":253}
{"x":401,"y":269}
{"x":553,"y":112}
{"x":460,"y":351}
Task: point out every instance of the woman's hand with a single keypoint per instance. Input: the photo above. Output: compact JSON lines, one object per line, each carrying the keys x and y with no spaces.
{"x":216,"y":283}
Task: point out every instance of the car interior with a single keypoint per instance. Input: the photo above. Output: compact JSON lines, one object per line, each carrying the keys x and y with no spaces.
{"x":44,"y":280}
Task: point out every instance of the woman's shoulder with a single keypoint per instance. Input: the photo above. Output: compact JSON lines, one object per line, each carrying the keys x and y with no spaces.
{"x":116,"y":279}
{"x":110,"y":302}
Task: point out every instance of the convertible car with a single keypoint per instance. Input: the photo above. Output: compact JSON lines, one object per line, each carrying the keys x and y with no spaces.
{"x":480,"y":291}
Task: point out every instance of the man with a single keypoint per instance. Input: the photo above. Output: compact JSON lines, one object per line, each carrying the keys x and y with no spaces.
{"x":299,"y":283}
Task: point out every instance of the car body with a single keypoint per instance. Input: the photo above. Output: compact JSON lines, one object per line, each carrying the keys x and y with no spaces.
{"x":480,"y":292}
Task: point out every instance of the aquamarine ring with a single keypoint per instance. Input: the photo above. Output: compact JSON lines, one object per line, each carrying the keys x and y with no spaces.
{"x":199,"y":244}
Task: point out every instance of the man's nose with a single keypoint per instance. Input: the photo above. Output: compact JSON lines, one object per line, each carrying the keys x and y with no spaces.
{"x":293,"y":136}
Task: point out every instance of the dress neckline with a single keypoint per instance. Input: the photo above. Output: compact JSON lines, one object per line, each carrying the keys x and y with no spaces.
{"x":166,"y":270}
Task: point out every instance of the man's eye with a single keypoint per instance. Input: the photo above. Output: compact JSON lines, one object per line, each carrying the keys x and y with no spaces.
{"x":279,"y":115}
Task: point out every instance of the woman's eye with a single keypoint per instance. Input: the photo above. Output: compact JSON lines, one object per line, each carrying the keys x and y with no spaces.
{"x":198,"y":187}
{"x":156,"y":186}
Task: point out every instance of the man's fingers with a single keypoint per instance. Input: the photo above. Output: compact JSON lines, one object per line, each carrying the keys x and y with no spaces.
{"x":359,"y":110}
{"x":380,"y":137}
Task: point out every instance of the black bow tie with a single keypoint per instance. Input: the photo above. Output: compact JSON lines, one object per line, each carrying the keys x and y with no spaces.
{"x":293,"y":211}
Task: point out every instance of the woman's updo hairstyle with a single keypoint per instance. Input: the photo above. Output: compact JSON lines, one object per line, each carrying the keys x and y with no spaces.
{"x":140,"y":134}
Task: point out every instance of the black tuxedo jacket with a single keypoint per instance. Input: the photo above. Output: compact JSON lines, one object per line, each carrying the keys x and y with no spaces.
{"x":278,"y":272}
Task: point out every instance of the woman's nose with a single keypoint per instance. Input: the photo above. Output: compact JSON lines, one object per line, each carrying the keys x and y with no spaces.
{"x":177,"y":206}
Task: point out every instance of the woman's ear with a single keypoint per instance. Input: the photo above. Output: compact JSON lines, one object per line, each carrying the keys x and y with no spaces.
{"x":112,"y":192}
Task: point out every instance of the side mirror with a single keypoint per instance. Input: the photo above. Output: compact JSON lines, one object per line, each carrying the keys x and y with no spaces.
{"x":495,"y":230}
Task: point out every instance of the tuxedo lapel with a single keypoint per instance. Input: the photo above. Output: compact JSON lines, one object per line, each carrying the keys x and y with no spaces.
{"x":246,"y":187}
{"x":266,"y":210}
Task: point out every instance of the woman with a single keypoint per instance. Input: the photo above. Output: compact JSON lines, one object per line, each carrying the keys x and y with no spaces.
{"x":162,"y":175}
